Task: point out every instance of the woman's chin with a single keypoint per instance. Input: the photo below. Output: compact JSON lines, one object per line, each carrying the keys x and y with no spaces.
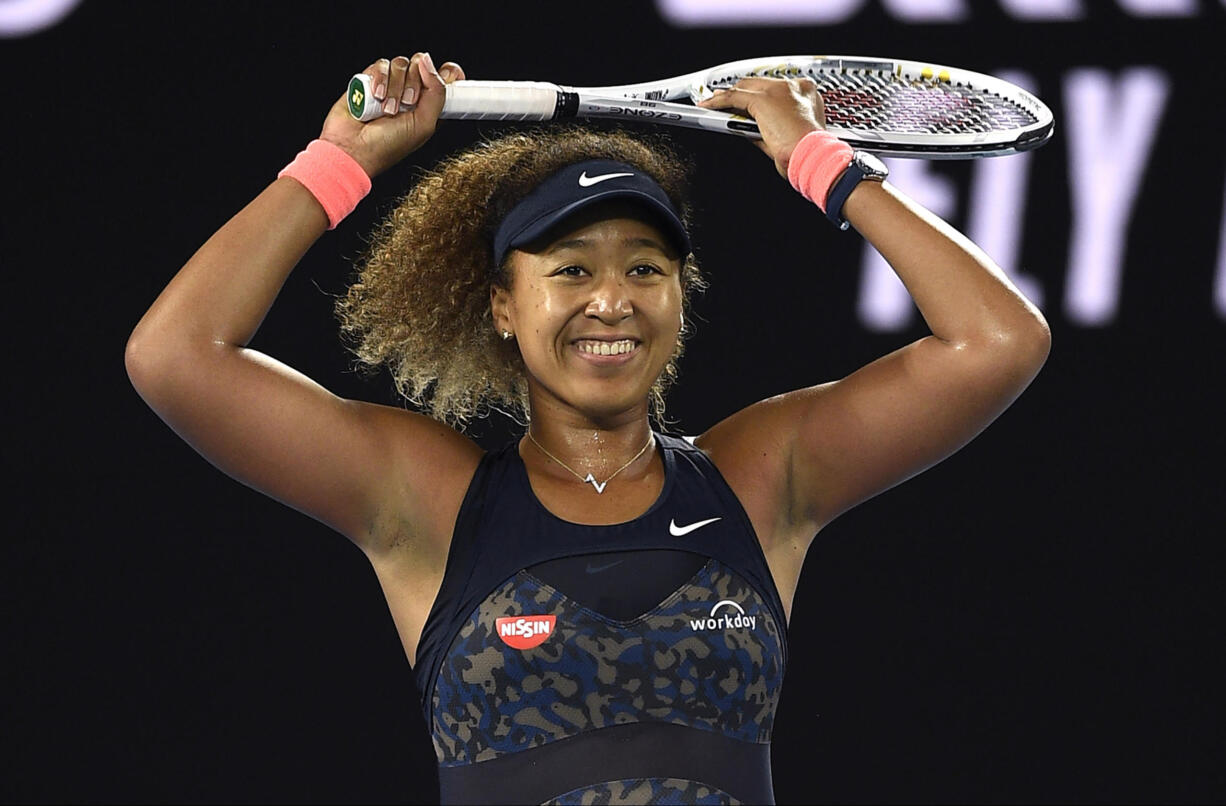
{"x":611,"y":406}
{"x":597,"y":392}
{"x":602,"y":400}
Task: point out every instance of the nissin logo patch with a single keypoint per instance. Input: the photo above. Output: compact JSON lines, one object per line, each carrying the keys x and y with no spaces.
{"x":525,"y":632}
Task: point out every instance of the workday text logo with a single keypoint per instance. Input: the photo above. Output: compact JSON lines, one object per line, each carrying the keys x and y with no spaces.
{"x":732,"y":617}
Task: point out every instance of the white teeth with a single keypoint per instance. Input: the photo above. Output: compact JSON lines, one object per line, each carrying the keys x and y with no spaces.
{"x":607,"y":347}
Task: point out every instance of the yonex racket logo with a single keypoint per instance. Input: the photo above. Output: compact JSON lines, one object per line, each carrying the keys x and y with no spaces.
{"x":734,"y":619}
{"x":586,"y":181}
{"x":525,"y":632}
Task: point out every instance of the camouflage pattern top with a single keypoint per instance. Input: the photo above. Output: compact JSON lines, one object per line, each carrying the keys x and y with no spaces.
{"x":536,"y":692}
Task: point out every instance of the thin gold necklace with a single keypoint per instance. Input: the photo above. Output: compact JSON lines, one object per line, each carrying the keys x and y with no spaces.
{"x":590,"y":478}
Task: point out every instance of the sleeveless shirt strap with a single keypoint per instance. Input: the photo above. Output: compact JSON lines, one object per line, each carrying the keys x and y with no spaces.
{"x":755,"y":564}
{"x":461,"y":559}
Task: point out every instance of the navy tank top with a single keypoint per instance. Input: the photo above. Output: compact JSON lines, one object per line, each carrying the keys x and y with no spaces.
{"x":639,"y":662}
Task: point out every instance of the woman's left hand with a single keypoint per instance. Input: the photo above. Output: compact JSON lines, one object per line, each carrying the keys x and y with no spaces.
{"x":785,"y":109}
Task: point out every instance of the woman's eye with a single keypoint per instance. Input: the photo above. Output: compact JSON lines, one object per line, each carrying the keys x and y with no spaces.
{"x":570,"y":271}
{"x":644,"y":269}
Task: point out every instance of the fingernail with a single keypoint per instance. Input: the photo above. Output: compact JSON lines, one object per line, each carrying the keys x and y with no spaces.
{"x":390,"y":106}
{"x":445,"y":73}
{"x":380,"y":91}
{"x":407,"y":98}
{"x":425,"y":57}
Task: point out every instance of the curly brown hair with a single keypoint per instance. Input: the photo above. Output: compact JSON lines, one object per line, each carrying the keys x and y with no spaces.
{"x":421,"y":302}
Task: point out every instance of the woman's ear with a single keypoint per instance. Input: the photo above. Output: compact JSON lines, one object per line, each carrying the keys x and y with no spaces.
{"x":500,"y":304}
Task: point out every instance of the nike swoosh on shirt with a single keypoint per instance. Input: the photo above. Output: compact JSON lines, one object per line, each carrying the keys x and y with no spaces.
{"x":681,"y":531}
{"x":586,"y":181}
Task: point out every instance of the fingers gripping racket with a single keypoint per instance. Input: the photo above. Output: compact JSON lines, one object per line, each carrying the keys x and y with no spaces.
{"x":889,"y":107}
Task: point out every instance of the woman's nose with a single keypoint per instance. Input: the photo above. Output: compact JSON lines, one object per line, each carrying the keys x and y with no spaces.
{"x":610,"y":303}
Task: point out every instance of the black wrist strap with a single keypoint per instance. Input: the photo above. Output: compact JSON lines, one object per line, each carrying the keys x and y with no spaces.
{"x":846,"y":183}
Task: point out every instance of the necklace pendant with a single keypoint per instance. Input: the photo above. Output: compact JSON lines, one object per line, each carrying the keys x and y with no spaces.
{"x":599,"y":487}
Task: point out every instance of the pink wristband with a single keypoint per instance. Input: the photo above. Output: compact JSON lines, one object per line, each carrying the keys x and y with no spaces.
{"x":334,"y":178}
{"x":816,"y":162}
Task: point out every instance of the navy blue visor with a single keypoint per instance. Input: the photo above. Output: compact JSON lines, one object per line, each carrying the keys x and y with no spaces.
{"x":578,"y":186}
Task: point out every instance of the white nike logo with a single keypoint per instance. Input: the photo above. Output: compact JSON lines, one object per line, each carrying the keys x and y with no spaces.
{"x":681,"y":531}
{"x":586,"y":181}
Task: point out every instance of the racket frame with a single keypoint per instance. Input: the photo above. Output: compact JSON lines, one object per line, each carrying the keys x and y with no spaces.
{"x":656,"y":101}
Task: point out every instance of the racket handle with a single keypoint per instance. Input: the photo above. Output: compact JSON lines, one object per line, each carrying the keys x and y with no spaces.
{"x":502,"y":100}
{"x":470,"y":100}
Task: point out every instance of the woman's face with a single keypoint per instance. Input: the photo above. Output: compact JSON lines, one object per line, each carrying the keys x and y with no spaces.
{"x":596,"y":310}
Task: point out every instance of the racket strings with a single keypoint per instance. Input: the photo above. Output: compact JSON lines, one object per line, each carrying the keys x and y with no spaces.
{"x":877,"y":100}
{"x":918,"y":106}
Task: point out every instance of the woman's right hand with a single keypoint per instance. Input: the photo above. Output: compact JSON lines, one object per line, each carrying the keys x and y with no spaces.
{"x":412,"y":92}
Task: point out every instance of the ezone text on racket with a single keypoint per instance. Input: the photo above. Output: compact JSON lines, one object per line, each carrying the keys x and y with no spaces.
{"x":637,"y":112}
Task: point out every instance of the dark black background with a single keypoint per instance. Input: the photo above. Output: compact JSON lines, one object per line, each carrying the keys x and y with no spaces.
{"x":1038,"y":619}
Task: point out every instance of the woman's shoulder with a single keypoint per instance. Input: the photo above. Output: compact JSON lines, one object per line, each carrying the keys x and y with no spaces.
{"x":752,"y":458}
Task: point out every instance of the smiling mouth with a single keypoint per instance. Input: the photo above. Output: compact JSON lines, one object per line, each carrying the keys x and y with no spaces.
{"x":597,"y":347}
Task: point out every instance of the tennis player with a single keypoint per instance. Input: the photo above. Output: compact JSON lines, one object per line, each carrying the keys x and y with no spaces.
{"x":598,"y":611}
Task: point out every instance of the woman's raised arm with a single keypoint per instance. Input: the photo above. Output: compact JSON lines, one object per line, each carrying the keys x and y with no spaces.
{"x":835,"y":445}
{"x":359,"y":467}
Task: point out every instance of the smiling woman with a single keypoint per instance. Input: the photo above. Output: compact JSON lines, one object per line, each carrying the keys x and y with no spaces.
{"x":596,"y":612}
{"x":612,"y":266}
{"x":421,"y":305}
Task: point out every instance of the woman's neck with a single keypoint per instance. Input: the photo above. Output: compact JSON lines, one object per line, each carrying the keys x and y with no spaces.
{"x":584,"y":444}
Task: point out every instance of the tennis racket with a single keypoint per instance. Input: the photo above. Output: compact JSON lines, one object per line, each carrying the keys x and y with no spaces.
{"x":889,"y":107}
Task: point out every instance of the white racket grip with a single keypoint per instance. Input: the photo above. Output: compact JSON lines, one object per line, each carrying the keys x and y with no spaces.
{"x":501,"y":100}
{"x":469,"y":100}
